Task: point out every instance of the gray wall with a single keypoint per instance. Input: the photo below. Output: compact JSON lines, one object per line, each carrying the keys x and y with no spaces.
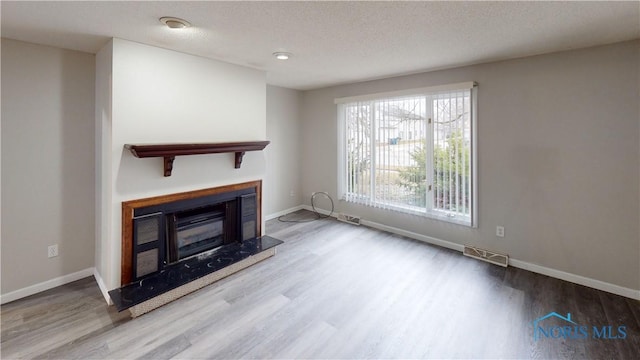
{"x":283,"y":153}
{"x":47,"y":163}
{"x":558,"y":142}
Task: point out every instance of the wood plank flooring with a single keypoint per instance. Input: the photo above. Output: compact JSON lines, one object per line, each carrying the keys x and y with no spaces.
{"x":333,"y":291}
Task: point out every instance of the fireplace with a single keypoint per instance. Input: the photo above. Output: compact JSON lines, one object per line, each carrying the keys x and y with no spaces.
{"x":177,"y":243}
{"x":170,"y":229}
{"x":189,"y":232}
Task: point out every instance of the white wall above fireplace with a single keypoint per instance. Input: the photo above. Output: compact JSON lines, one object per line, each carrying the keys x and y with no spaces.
{"x":146,"y":94}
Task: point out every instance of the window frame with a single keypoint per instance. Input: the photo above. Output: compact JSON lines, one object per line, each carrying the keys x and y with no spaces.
{"x":428,"y":211}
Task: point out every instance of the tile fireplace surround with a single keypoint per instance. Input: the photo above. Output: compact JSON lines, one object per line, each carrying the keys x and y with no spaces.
{"x":152,"y":274}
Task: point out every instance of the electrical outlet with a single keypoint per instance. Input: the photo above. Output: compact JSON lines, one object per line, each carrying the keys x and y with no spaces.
{"x":292,"y":193}
{"x":53,"y":251}
{"x":500,"y":231}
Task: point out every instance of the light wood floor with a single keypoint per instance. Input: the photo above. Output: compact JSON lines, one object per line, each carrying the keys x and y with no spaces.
{"x":332,"y":291}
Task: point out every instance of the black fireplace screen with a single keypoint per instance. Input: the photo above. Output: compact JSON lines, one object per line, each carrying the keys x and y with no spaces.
{"x":168,"y":233}
{"x":197,"y":233}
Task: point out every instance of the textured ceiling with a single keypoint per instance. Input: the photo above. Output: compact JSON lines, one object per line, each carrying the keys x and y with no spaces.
{"x":332,"y":42}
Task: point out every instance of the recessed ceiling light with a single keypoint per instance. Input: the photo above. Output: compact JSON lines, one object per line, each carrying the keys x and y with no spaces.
{"x":174,"y":23}
{"x":282,"y":55}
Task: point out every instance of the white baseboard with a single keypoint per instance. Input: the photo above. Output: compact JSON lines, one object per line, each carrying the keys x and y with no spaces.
{"x":412,"y":235}
{"x":102,"y":286}
{"x":321,"y":211}
{"x":558,"y":274}
{"x":45,"y":285}
{"x":576,"y":279}
{"x":284,"y":212}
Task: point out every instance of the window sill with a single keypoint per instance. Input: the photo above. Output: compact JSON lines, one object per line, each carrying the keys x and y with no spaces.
{"x":416,"y":211}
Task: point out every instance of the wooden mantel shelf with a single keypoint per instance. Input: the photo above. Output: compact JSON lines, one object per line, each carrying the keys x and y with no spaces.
{"x":170,"y":151}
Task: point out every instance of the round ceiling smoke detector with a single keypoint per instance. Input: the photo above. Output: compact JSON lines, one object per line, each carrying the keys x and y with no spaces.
{"x":174,"y":23}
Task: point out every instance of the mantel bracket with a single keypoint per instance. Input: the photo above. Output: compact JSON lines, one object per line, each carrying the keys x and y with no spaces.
{"x":168,"y":165}
{"x":239,"y":155}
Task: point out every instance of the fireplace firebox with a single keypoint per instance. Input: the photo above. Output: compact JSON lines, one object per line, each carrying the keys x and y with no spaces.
{"x":194,"y":231}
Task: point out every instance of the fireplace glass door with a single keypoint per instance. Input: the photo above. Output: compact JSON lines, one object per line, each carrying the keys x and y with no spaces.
{"x":196,"y":231}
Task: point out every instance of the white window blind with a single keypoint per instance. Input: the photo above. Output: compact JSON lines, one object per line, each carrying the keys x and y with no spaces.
{"x":410,"y":152}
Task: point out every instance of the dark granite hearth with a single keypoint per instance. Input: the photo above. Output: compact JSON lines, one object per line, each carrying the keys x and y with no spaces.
{"x":175,"y":275}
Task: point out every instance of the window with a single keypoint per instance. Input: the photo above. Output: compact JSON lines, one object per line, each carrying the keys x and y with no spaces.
{"x":411,"y":151}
